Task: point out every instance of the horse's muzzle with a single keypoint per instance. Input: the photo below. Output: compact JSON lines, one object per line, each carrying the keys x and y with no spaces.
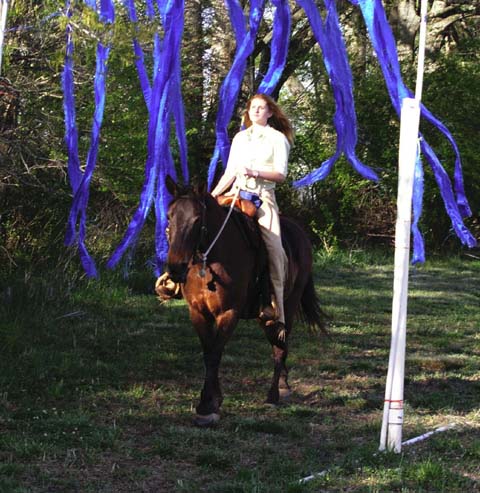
{"x":178,"y":272}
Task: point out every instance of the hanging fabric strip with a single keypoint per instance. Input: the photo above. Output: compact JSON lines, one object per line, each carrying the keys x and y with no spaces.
{"x":385,"y":47}
{"x":446,"y":192}
{"x":230,"y":87}
{"x":150,"y":9}
{"x":132,"y":12}
{"x":107,"y":11}
{"x":418,"y":255}
{"x":177,"y":107}
{"x":80,"y":200}
{"x":235,"y":12}
{"x":338,"y":58}
{"x":331,"y":42}
{"x":71,"y":131}
{"x":173,"y":107}
{"x":279,"y":46}
{"x":458,"y":184}
{"x":151,"y":171}
{"x":159,"y":161}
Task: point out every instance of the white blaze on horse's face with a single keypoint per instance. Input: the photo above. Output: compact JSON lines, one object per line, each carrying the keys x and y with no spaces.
{"x":259,"y":112}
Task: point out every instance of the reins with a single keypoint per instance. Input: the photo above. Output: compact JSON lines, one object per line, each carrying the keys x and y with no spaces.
{"x":204,"y":255}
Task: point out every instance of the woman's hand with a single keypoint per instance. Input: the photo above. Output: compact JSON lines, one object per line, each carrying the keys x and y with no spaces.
{"x":265,"y":175}
{"x":251,"y":172}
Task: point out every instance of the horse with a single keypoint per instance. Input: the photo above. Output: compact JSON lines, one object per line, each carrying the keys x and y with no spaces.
{"x":217,"y":265}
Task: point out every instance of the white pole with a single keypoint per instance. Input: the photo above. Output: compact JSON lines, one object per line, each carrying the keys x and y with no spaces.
{"x":3,"y":23}
{"x":391,"y":434}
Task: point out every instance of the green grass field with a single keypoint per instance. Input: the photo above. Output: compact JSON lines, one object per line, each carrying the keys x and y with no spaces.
{"x":98,"y":384}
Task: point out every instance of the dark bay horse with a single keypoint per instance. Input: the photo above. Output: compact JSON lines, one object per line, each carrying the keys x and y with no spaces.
{"x":221,"y":289}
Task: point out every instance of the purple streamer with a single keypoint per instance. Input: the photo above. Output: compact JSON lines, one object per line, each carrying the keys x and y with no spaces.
{"x":150,"y":9}
{"x":235,"y":13}
{"x":231,"y":86}
{"x":81,"y":193}
{"x":159,"y":159}
{"x":107,"y":11}
{"x":132,"y":13}
{"x":330,"y":39}
{"x":279,"y":46}
{"x":417,"y":201}
{"x":384,"y":44}
{"x":71,"y":131}
{"x":448,"y":197}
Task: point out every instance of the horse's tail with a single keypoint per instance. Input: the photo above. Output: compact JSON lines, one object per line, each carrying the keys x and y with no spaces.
{"x":311,"y":311}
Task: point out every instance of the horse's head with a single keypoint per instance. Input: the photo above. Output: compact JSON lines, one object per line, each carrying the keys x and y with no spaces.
{"x":186,"y":218}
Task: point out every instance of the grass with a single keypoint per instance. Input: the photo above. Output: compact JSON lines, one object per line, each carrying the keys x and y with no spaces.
{"x":98,"y":383}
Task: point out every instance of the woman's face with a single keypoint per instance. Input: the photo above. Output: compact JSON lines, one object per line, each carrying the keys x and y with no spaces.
{"x":259,"y":112}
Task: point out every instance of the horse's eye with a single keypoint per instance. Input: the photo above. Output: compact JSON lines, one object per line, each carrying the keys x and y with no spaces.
{"x":167,"y":233}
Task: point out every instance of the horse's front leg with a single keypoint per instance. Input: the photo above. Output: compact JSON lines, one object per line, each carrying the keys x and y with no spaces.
{"x":213,"y":340}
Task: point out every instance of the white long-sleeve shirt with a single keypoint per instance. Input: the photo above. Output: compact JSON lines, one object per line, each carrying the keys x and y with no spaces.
{"x":258,"y":148}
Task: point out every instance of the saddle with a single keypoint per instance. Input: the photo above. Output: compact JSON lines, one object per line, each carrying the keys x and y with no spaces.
{"x":244,"y":205}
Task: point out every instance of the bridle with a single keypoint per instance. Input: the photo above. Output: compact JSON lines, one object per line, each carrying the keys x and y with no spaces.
{"x":203,"y":233}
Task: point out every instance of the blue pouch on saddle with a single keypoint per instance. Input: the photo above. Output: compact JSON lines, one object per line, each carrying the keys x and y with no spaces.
{"x":253,"y":197}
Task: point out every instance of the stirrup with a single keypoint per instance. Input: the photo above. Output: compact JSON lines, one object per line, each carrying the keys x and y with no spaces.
{"x":166,"y":289}
{"x":269,"y":313}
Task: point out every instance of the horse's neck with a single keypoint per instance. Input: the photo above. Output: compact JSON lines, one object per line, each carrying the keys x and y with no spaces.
{"x":216,"y":219}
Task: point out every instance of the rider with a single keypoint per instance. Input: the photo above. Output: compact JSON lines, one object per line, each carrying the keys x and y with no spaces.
{"x":258,"y":160}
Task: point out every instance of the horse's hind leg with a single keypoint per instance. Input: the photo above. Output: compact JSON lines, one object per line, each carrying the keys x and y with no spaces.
{"x":279,"y":386}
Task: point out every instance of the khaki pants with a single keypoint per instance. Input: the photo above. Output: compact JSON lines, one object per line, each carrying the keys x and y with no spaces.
{"x":269,"y":222}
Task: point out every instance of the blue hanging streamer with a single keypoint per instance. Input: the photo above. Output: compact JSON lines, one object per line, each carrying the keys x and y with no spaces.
{"x":132,"y":12}
{"x":159,"y":160}
{"x":177,"y":106}
{"x":81,"y":192}
{"x":231,"y":85}
{"x":384,"y":44}
{"x":418,"y":186}
{"x":163,"y":160}
{"x":150,"y":9}
{"x":330,"y":40}
{"x":282,"y":22}
{"x":71,"y":131}
{"x":107,"y":11}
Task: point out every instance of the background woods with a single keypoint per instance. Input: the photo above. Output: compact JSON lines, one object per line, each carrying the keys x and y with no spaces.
{"x":342,"y":210}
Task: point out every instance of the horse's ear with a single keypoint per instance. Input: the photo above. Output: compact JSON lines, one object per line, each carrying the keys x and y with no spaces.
{"x":171,"y":185}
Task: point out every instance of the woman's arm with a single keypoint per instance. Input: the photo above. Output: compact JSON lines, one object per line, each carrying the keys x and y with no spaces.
{"x":266,"y":175}
{"x":229,"y":175}
{"x":223,"y":184}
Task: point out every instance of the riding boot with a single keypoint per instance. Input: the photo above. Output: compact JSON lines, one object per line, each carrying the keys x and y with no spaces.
{"x":166,"y":289}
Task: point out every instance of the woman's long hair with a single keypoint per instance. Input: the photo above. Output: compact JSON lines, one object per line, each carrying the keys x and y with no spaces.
{"x":278,"y":120}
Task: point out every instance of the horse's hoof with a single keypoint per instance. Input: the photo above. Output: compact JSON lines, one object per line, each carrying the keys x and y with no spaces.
{"x":207,"y":420}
